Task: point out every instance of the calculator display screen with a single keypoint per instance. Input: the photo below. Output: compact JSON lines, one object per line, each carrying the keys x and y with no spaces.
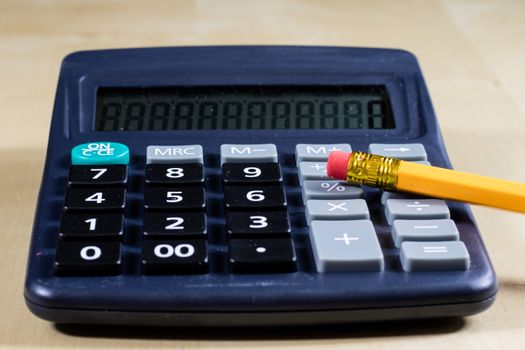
{"x":243,"y":108}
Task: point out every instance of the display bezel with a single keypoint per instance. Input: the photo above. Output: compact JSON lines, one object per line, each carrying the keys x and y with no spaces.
{"x":81,"y":112}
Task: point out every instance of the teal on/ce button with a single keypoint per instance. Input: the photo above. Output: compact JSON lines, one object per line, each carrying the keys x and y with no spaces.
{"x":100,"y":153}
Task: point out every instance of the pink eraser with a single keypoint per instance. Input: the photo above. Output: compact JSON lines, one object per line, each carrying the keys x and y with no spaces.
{"x":337,"y":165}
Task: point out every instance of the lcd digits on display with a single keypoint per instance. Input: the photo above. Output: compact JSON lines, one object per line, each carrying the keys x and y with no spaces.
{"x":243,"y":108}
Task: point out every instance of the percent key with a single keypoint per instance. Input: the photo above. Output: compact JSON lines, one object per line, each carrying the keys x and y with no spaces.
{"x":330,"y":189}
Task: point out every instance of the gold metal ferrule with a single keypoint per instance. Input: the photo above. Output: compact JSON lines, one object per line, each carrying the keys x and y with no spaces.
{"x":373,"y":170}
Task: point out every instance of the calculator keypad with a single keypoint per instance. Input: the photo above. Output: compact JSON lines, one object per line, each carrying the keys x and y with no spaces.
{"x":338,"y":217}
{"x":258,"y":234}
{"x":174,"y":226}
{"x":92,"y":223}
{"x":255,"y":204}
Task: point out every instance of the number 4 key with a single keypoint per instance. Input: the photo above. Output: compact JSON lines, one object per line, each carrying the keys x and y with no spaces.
{"x":78,"y":199}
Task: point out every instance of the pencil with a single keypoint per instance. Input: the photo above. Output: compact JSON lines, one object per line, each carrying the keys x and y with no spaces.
{"x":398,"y":175}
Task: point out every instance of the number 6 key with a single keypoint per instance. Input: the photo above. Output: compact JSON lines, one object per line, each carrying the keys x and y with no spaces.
{"x":240,"y":197}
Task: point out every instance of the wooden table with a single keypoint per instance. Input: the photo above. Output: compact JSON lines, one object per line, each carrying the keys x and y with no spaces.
{"x":473,"y":56}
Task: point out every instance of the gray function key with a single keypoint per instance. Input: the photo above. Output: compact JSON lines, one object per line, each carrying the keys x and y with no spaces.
{"x":312,"y":171}
{"x":174,"y":154}
{"x":405,"y":151}
{"x":416,"y":209}
{"x":257,"y":153}
{"x":346,"y":246}
{"x":424,"y":230}
{"x":434,"y":256}
{"x":330,"y":189}
{"x":310,"y":152}
{"x":350,"y":209}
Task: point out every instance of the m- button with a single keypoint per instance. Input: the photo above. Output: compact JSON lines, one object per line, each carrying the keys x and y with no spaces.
{"x":174,"y":154}
{"x":258,"y":153}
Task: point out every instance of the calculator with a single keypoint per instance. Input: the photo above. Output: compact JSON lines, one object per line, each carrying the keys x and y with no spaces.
{"x":187,"y":186}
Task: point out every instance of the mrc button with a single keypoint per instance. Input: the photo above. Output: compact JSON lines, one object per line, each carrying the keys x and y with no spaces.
{"x":174,"y":154}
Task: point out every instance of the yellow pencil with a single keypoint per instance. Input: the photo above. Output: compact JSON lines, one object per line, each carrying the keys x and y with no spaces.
{"x":398,"y":175}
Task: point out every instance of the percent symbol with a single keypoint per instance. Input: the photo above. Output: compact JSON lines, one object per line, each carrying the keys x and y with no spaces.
{"x":331,"y":187}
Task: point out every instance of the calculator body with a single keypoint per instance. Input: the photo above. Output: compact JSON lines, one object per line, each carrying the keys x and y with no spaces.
{"x":218,"y":296}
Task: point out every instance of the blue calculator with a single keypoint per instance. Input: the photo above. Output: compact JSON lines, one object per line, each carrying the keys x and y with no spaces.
{"x":187,"y":186}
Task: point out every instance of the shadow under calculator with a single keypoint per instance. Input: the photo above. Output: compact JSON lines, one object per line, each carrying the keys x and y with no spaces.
{"x":348,"y":330}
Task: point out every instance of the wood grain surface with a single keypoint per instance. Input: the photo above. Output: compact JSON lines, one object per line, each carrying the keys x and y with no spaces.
{"x":472,"y":54}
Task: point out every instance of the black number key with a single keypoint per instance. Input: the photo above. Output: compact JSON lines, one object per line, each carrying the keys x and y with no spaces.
{"x":161,"y":225}
{"x":174,"y":173}
{"x":88,"y":258}
{"x":174,"y":198}
{"x":251,"y":172}
{"x":262,"y":255}
{"x":106,"y":175}
{"x":175,"y":257}
{"x":255,"y":223}
{"x":242,"y":197}
{"x":95,"y":199}
{"x":92,"y":225}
